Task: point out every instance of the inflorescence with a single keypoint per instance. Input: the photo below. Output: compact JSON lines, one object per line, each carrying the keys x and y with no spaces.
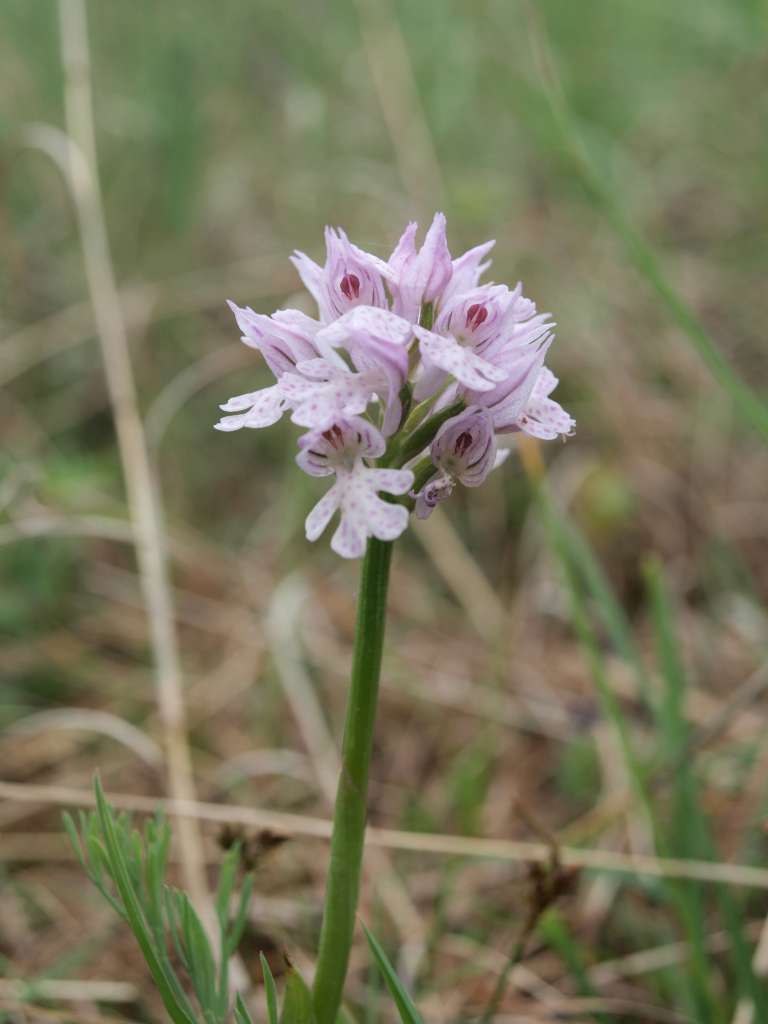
{"x":405,"y":381}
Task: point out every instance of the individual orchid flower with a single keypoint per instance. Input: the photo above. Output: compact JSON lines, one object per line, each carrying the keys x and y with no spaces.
{"x":464,"y":451}
{"x":285,"y":339}
{"x":351,"y":277}
{"x":341,"y":450}
{"x":484,"y":316}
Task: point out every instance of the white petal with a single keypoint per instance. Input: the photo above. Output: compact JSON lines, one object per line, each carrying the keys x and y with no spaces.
{"x":266,"y":408}
{"x":311,"y":275}
{"x":379,"y":323}
{"x":393,"y":481}
{"x":545,"y":384}
{"x":323,"y":403}
{"x":501,"y":457}
{"x":545,"y":419}
{"x":227,"y":423}
{"x":321,"y":514}
{"x":387,"y":521}
{"x":461,"y":363}
{"x":350,"y":537}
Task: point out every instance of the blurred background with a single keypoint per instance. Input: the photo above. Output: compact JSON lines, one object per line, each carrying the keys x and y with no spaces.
{"x":589,"y":664}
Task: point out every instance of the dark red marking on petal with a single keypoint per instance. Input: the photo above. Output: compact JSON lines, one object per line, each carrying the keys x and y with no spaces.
{"x":350,"y":286}
{"x":476,"y":315}
{"x":463,"y":443}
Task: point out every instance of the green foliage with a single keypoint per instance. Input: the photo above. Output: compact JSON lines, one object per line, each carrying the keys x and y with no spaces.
{"x":405,"y":1005}
{"x":297,"y":1002}
{"x":682,"y":829}
{"x":129,"y":868}
{"x":269,"y":990}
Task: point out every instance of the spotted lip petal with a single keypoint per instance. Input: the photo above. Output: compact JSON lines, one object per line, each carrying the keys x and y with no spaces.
{"x":542,"y":417}
{"x":363,"y":513}
{"x":263,"y":407}
{"x":319,"y":403}
{"x":462,"y":363}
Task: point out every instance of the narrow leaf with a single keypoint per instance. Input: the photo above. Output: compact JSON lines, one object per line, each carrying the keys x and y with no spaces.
{"x":269,"y":990}
{"x":297,"y":1005}
{"x":405,"y":1005}
{"x":241,"y":1011}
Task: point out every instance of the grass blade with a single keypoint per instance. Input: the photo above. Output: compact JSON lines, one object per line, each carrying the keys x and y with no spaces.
{"x":270,"y":991}
{"x":405,"y":1005}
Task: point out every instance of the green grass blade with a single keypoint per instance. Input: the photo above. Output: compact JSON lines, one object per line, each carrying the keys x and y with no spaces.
{"x":171,"y":995}
{"x":405,"y":1005}
{"x":270,"y":991}
{"x":242,"y":1016}
{"x":226,"y":886}
{"x":693,"y":837}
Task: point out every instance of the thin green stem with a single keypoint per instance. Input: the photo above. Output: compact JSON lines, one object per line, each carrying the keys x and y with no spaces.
{"x":351,"y":796}
{"x":423,"y":435}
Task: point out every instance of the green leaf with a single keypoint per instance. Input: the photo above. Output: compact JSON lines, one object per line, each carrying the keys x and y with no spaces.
{"x":269,"y":990}
{"x":226,"y":885}
{"x":202,"y":965}
{"x":177,"y":1006}
{"x":405,"y":1005}
{"x":241,"y":1011}
{"x":297,"y":1005}
{"x":235,"y":930}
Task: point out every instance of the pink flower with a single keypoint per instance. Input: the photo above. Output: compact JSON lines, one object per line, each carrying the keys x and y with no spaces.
{"x":484,"y":315}
{"x":284,"y":339}
{"x":465,"y":447}
{"x":350,"y":277}
{"x":395,"y":344}
{"x":422,"y":276}
{"x":463,"y":451}
{"x":341,"y":450}
{"x":376,"y":337}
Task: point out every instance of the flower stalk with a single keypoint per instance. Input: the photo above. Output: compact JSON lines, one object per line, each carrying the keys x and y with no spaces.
{"x":350,"y":811}
{"x":403,"y":383}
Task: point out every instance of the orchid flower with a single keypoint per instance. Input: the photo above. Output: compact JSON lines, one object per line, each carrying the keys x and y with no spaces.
{"x":342,"y":451}
{"x":464,"y":451}
{"x":404,"y":384}
{"x":411,"y":371}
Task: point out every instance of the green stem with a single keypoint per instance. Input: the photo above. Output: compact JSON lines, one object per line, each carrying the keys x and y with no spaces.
{"x":423,"y":435}
{"x":351,"y":796}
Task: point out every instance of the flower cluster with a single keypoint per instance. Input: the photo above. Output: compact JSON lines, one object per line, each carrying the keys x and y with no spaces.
{"x":403,"y":383}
